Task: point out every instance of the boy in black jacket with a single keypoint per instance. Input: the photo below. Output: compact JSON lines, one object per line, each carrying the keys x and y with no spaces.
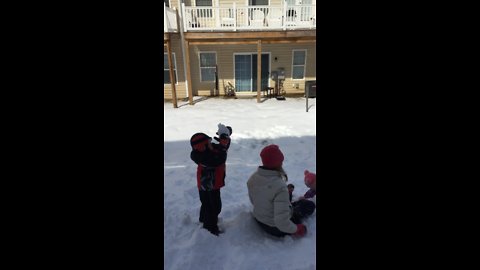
{"x":211,"y":160}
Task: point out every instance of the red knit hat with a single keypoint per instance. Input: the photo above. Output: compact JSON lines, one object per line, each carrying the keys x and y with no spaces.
{"x":310,"y":178}
{"x":271,"y":156}
{"x":198,"y":140}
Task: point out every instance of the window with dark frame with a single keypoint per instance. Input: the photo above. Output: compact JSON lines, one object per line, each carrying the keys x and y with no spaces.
{"x":298,"y":64}
{"x":208,"y":62}
{"x":204,"y":13}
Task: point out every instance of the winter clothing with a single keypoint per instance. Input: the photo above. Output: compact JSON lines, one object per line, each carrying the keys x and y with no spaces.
{"x":272,"y":230}
{"x":210,"y":178}
{"x":199,"y":138}
{"x":310,"y":194}
{"x":310,"y":181}
{"x":310,"y":178}
{"x":271,"y":156}
{"x":301,"y":230}
{"x":210,"y":209}
{"x":211,"y":166}
{"x":222,"y":129}
{"x":268,"y":193}
{"x":302,"y":209}
{"x":290,"y":187}
{"x":225,"y":132}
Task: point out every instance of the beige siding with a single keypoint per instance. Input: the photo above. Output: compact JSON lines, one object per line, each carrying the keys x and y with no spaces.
{"x":225,"y":62}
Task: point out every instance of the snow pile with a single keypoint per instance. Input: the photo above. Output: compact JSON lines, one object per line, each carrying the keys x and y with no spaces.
{"x":243,"y":246}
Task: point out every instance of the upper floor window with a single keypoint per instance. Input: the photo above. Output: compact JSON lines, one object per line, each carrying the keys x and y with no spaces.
{"x":166,"y":69}
{"x":204,"y":12}
{"x":208,"y":62}
{"x":258,"y":2}
{"x":298,"y":64}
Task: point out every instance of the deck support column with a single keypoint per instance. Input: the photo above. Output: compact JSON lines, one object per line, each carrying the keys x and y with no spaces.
{"x":189,"y":77}
{"x":172,"y":76}
{"x":259,"y":69}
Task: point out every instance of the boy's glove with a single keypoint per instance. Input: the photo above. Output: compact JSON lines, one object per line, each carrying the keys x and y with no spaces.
{"x":224,"y":139}
{"x":222,"y":129}
{"x":224,"y":132}
{"x":301,"y":230}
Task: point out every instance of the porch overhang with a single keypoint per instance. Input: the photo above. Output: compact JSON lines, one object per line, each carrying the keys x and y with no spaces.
{"x":258,"y":38}
{"x":229,"y":38}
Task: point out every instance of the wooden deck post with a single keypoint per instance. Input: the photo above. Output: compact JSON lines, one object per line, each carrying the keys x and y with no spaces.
{"x":259,"y":69}
{"x":172,"y":76}
{"x":189,"y":77}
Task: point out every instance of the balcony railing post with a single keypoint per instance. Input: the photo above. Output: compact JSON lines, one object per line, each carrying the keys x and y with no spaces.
{"x":216,"y":15}
{"x":234,"y":17}
{"x":184,"y":18}
{"x":285,"y":15}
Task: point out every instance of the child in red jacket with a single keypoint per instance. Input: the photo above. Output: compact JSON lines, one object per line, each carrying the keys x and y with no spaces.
{"x":211,"y":160}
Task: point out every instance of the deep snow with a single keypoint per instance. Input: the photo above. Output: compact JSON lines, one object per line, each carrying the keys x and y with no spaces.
{"x":243,"y":246}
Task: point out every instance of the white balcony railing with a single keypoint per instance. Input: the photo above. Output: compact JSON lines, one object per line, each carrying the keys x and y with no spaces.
{"x":169,"y":19}
{"x":249,"y":18}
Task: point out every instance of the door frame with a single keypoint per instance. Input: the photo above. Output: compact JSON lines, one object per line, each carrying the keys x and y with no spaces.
{"x":251,"y":78}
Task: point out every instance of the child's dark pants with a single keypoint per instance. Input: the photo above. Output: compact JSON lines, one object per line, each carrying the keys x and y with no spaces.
{"x":301,"y":209}
{"x":210,"y":209}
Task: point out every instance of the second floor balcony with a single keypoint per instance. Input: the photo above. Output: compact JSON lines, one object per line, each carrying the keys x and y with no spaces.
{"x":169,"y":19}
{"x":249,"y":18}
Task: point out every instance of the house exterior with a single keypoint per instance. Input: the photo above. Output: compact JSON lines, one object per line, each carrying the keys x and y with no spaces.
{"x":235,"y":42}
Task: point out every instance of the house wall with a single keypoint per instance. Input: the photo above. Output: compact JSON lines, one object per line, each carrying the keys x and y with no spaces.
{"x":225,"y":62}
{"x":180,"y":86}
{"x":225,"y":59}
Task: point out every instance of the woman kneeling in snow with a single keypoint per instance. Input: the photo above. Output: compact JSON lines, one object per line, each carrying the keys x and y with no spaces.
{"x":267,"y":190}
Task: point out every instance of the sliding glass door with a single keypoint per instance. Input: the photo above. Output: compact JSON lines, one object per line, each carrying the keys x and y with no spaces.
{"x":246,"y":71}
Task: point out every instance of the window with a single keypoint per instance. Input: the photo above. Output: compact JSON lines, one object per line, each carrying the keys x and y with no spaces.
{"x":258,"y":2}
{"x":208,"y":61}
{"x":298,"y":64}
{"x":167,"y":2}
{"x":166,"y":69}
{"x":204,"y":13}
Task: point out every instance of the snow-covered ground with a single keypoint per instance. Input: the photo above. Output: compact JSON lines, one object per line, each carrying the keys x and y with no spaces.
{"x":243,"y":245}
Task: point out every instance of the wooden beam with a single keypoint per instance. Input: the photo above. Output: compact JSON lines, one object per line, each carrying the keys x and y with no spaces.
{"x":250,"y":34}
{"x":222,"y":42}
{"x":259,"y":69}
{"x":172,"y":77}
{"x":289,"y":41}
{"x":189,"y":77}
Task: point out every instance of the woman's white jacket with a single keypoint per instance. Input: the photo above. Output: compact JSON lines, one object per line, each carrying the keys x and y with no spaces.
{"x":268,"y":193}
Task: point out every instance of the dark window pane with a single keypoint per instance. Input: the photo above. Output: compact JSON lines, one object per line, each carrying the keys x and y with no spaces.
{"x":166,"y":77}
{"x":207,"y":59}
{"x":208,"y":74}
{"x":298,"y":72}
{"x":165,"y":62}
{"x":204,"y":13}
{"x":299,"y":58}
{"x":204,"y":3}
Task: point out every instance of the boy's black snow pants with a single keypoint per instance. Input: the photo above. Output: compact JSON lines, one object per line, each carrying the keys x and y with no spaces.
{"x":210,"y":209}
